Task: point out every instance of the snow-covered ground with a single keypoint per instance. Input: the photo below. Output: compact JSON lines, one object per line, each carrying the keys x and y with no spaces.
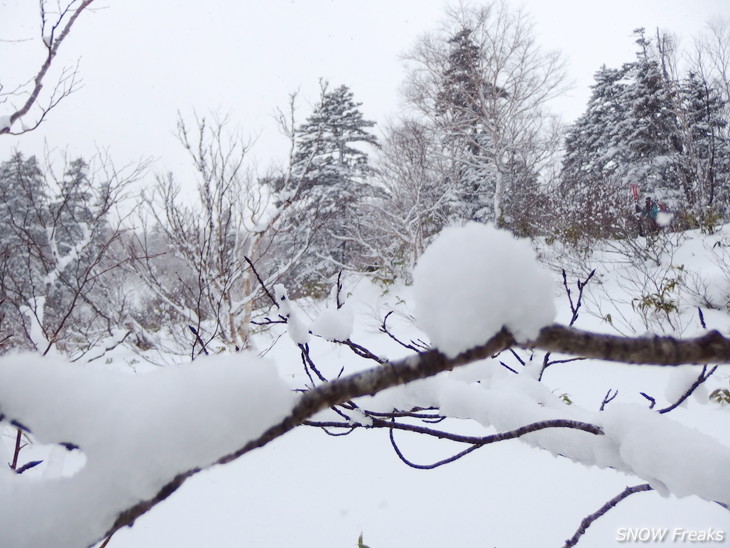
{"x":310,"y":489}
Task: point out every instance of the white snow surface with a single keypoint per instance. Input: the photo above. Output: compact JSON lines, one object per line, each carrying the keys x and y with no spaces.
{"x":136,"y":431}
{"x":680,"y":381}
{"x":637,"y":440}
{"x":334,"y":324}
{"x":474,"y":280}
{"x":4,"y":122}
{"x":265,"y":498}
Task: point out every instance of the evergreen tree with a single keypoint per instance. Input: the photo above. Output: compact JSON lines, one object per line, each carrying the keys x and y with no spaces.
{"x":72,"y":209}
{"x":459,"y":107}
{"x":643,"y":128}
{"x":593,"y":157}
{"x":75,"y":231}
{"x":329,"y":175}
{"x":591,"y":153}
{"x":23,"y":243}
{"x":706,"y":161}
{"x":54,"y":239}
{"x":629,"y":136}
{"x":650,"y":131}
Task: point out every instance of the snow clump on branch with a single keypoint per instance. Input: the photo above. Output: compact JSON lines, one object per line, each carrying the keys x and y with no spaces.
{"x":137,"y":433}
{"x":474,"y":280}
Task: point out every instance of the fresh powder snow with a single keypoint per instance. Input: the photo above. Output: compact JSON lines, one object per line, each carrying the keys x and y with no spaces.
{"x":474,"y":280}
{"x":298,"y":331}
{"x":334,"y":324}
{"x":137,"y":433}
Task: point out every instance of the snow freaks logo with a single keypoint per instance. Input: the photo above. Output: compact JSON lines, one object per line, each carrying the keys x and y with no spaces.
{"x":646,"y":535}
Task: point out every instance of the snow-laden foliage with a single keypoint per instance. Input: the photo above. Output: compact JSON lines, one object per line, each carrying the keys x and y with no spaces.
{"x":476,"y":279}
{"x":330,"y":169}
{"x":58,"y":236}
{"x":484,"y":84}
{"x":136,"y":432}
{"x":647,"y":128}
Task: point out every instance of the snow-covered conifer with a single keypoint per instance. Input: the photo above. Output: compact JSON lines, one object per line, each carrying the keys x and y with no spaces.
{"x":330,"y":170}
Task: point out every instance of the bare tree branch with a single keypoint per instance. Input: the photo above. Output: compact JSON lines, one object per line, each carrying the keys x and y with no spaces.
{"x":487,"y":440}
{"x":588,"y":520}
{"x":642,"y":350}
{"x":709,"y":348}
{"x":53,"y":35}
{"x":701,"y":378}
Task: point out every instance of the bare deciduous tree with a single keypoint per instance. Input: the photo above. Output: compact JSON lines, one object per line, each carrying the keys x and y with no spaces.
{"x":28,"y":105}
{"x":394,"y":227}
{"x":712,"y":55}
{"x":202,"y":266}
{"x":495,"y":106}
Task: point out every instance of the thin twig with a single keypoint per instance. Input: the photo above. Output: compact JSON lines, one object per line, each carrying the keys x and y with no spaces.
{"x":486,"y":440}
{"x":588,"y":520}
{"x":106,"y":541}
{"x":608,"y":398}
{"x":199,"y":339}
{"x":261,"y":282}
{"x":702,"y":377}
{"x":384,"y":329}
{"x":652,"y":401}
{"x":362,"y":351}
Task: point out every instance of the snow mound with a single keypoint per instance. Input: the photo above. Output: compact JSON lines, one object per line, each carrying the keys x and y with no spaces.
{"x":297,"y":329}
{"x":334,"y":324}
{"x":474,"y":280}
{"x":136,"y":431}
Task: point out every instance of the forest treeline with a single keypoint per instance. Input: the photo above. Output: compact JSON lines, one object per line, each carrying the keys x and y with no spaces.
{"x":88,"y":264}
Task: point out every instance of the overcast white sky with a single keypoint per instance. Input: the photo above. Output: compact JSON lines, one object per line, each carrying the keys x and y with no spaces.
{"x":142,"y":61}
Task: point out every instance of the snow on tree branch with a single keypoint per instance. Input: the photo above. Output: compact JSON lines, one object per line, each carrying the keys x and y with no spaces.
{"x":174,"y":411}
{"x":53,"y":33}
{"x":135,"y":432}
{"x":144,"y":435}
{"x":474,"y":280}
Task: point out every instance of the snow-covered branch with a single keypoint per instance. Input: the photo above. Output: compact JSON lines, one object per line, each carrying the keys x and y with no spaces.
{"x":18,"y":404}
